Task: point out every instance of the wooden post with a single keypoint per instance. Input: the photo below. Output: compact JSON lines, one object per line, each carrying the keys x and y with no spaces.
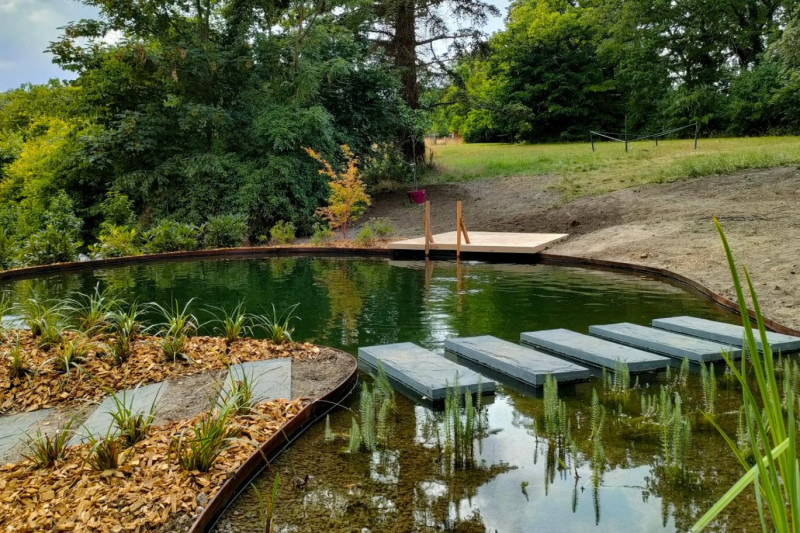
{"x":464,"y":230}
{"x":626,"y":133}
{"x":591,"y":138}
{"x":696,"y":131}
{"x":458,"y":229}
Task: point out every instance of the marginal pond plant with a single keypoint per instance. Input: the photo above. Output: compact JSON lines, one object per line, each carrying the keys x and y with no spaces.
{"x":774,"y":472}
{"x":177,"y":325}
{"x":266,"y":504}
{"x":46,"y":450}
{"x":230,"y":325}
{"x":92,"y":312}
{"x":132,"y":426}
{"x":676,"y":434}
{"x":462,"y":426}
{"x":709,"y":384}
{"x":375,"y":405}
{"x":198,"y":448}
{"x":556,"y":420}
{"x":277,"y":327}
{"x":617,"y":384}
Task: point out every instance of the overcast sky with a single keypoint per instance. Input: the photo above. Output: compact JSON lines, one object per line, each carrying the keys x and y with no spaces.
{"x":28,"y":26}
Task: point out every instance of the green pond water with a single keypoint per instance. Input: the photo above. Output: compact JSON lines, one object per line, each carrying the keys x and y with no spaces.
{"x":517,"y":486}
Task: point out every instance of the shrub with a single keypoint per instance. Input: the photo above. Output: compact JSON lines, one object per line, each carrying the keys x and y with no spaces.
{"x":382,"y":227}
{"x":117,"y":209}
{"x":365,"y":236}
{"x":348,"y":199}
{"x":8,"y":249}
{"x":385,"y":163}
{"x":323,"y":234}
{"x":225,"y":231}
{"x":171,"y":236}
{"x":115,"y":241}
{"x":282,"y":232}
{"x":49,"y":245}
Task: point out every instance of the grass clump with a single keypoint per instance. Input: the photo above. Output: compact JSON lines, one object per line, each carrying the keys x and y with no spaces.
{"x":177,"y":325}
{"x":18,"y":361}
{"x":46,"y":321}
{"x":71,"y":355}
{"x":92,"y":312}
{"x":124,"y":325}
{"x":132,"y":426}
{"x":198,"y":448}
{"x":105,"y":452}
{"x":266,"y":504}
{"x":237,"y":393}
{"x":45,"y":451}
{"x":277,"y":327}
{"x":230,"y":325}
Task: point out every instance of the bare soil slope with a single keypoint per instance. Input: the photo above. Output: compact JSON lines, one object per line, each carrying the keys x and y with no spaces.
{"x":667,"y":226}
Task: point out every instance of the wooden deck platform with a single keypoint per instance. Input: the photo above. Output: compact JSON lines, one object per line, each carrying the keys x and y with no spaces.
{"x":484,"y":242}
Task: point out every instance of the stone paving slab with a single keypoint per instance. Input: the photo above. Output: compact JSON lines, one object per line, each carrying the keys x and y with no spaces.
{"x":14,"y":428}
{"x":423,"y":371}
{"x":593,"y":350}
{"x":721,"y":332}
{"x":13,"y":322}
{"x":139,"y":399}
{"x":271,"y":378}
{"x":523,"y":364}
{"x":664,"y":342}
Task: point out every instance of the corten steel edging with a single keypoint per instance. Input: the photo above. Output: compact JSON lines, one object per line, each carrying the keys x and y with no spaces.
{"x":252,"y":251}
{"x":720,"y":300}
{"x":270,"y":449}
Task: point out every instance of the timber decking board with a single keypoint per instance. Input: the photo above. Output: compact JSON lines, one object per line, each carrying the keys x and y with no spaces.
{"x":485,"y":242}
{"x":593,"y":350}
{"x":664,"y":342}
{"x":524,"y":364}
{"x":423,"y":371}
{"x":724,"y":333}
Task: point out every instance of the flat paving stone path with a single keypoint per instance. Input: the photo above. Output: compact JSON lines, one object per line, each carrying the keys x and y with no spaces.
{"x":523,"y":364}
{"x":665,"y":342}
{"x":721,"y":332}
{"x":594,"y":351}
{"x":424,"y":372}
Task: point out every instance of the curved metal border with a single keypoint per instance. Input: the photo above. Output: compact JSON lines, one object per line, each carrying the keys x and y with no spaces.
{"x":271,"y":448}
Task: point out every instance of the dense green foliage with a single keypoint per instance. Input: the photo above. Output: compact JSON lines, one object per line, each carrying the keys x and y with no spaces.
{"x":190,"y":112}
{"x":560,"y":68}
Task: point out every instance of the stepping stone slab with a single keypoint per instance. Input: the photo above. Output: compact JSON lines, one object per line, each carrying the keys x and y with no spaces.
{"x":729,"y":334}
{"x":523,"y":364}
{"x":423,"y":371}
{"x":14,"y":428}
{"x":139,"y":399}
{"x":664,"y":342}
{"x":13,"y":322}
{"x":270,"y":379}
{"x":594,"y":351}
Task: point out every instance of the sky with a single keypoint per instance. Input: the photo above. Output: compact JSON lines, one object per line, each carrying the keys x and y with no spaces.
{"x":28,"y":26}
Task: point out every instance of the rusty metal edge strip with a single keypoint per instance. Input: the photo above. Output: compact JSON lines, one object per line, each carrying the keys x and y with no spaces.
{"x":252,"y":251}
{"x":720,"y":300}
{"x":270,"y":449}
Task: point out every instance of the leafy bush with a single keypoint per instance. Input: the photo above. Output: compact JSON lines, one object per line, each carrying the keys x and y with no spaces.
{"x":7,"y":249}
{"x":225,"y":231}
{"x":381,"y":227}
{"x":384,"y":164}
{"x":49,"y":245}
{"x":116,"y":241}
{"x":323,"y":234}
{"x":117,"y":209}
{"x":365,"y":236}
{"x":282,"y":232}
{"x":171,"y":236}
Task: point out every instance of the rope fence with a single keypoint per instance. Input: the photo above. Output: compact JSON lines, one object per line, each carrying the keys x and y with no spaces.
{"x":626,"y":137}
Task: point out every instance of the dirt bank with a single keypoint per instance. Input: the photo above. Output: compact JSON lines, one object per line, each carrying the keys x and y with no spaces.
{"x":667,"y":226}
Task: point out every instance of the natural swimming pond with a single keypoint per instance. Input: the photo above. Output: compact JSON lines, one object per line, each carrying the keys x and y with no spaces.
{"x":518,"y":484}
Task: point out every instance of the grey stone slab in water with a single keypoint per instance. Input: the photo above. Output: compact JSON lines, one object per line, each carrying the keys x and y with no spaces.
{"x":139,"y":399}
{"x":13,"y":429}
{"x":422,"y":371}
{"x":594,"y":351}
{"x":724,"y":333}
{"x":271,"y":379}
{"x":664,"y":342}
{"x":524,"y":364}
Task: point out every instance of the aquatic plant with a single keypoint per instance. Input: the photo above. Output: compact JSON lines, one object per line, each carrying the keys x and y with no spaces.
{"x":598,"y":416}
{"x":277,"y":327}
{"x":773,"y":438}
{"x":790,"y":382}
{"x":355,"y":437}
{"x":45,"y":320}
{"x":91,"y":312}
{"x":230,"y":325}
{"x":461,"y":425}
{"x":709,"y":385}
{"x":329,"y":436}
{"x":266,"y":504}
{"x":133,"y":426}
{"x":374,"y":407}
{"x":45,"y":450}
{"x":197,"y":449}
{"x":676,"y":434}
{"x":683,"y":373}
{"x":617,"y":384}
{"x":556,"y":421}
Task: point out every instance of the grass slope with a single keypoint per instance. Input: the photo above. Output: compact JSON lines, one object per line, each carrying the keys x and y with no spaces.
{"x":580,"y":172}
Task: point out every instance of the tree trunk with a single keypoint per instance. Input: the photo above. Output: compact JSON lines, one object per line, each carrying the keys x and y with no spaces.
{"x":405,"y":51}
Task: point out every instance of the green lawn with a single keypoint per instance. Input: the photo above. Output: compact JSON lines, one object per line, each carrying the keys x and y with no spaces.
{"x":580,"y":172}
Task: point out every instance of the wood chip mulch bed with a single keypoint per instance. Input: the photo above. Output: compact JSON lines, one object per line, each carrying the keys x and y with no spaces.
{"x":46,"y":387}
{"x":149,"y":492}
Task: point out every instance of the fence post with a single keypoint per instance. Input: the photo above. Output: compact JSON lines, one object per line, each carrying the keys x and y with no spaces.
{"x":591,"y":139}
{"x":626,"y":133}
{"x":696,"y":131}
